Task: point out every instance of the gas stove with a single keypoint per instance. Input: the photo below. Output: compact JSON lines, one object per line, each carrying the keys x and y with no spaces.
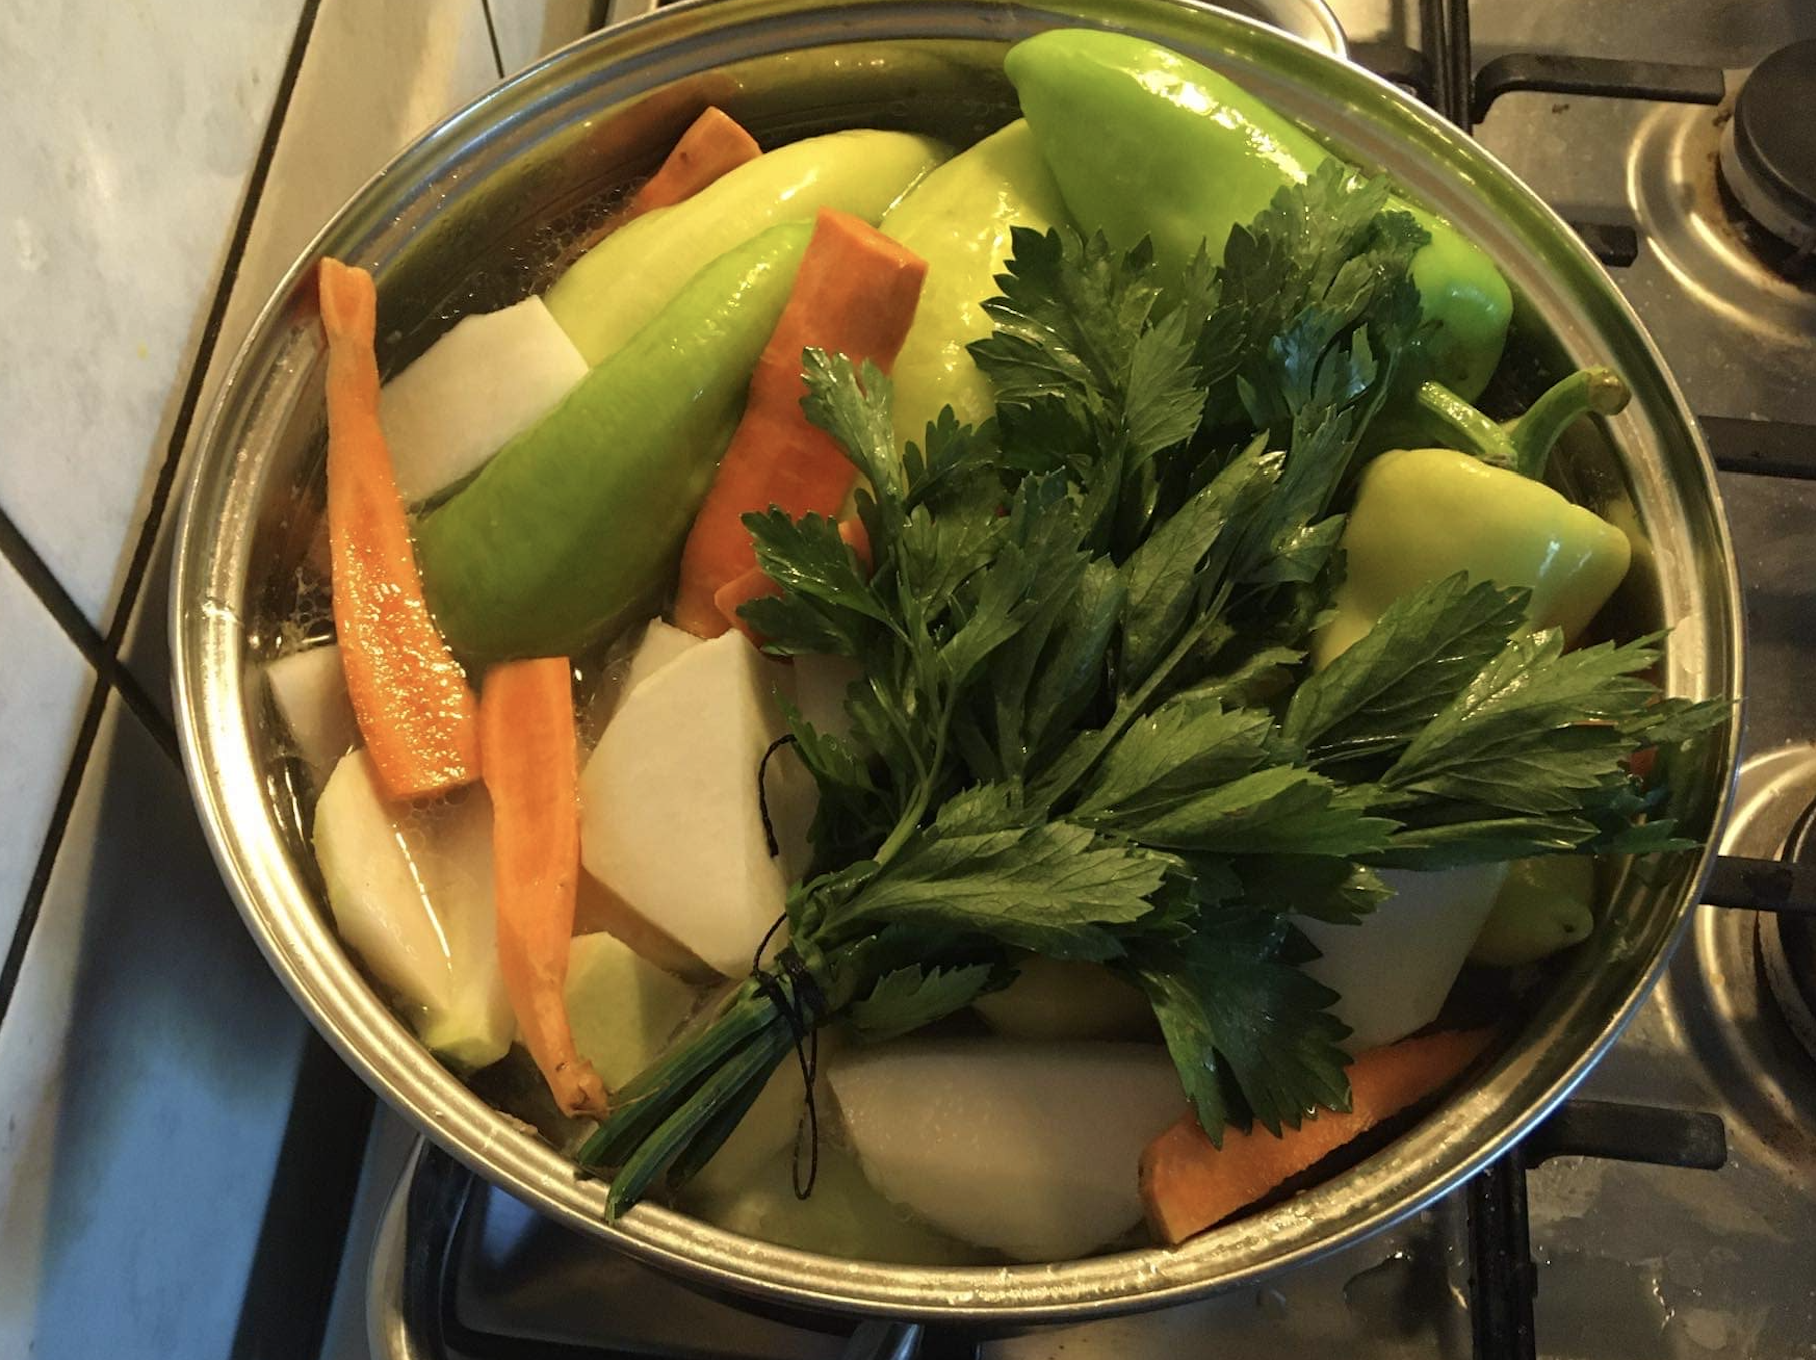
{"x":1669,"y":1207}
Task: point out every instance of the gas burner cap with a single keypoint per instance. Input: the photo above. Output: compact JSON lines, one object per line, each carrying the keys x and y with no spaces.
{"x":1768,"y":149}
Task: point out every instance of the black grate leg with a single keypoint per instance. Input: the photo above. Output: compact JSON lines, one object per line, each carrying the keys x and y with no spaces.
{"x":1503,"y":1282}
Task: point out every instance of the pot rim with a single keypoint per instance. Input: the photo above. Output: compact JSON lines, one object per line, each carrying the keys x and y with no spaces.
{"x":209,"y":640}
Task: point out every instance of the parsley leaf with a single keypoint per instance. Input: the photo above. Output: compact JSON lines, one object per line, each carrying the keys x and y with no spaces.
{"x":960,"y":469}
{"x":1534,"y":730}
{"x":1207,"y":991}
{"x":1182,"y":561}
{"x":1323,"y":887}
{"x":1069,"y":319}
{"x":911,"y":997}
{"x":1072,"y":666}
{"x":1394,"y":680}
{"x":981,"y":869}
{"x":808,"y":559}
{"x":1184,"y":747}
{"x":852,"y":405}
{"x":1279,"y":809}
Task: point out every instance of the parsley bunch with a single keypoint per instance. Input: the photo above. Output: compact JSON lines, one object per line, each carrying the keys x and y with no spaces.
{"x":1083,"y":727}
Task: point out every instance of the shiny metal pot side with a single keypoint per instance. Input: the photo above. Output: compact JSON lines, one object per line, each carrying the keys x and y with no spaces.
{"x":458,"y":222}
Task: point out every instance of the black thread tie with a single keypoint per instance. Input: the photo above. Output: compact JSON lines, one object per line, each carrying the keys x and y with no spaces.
{"x":800,"y":1004}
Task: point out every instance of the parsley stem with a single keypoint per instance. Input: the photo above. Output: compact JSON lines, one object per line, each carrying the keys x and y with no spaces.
{"x":923,"y":794}
{"x":649,"y":1097}
{"x":752,"y":1064}
{"x":1088,"y":748}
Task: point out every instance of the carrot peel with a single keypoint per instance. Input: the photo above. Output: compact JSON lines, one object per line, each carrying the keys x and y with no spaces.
{"x":411,"y":698}
{"x":531,"y":759}
{"x":1187,"y":1184}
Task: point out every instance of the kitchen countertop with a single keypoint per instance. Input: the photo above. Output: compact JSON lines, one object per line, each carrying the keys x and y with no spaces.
{"x":157,"y":1165}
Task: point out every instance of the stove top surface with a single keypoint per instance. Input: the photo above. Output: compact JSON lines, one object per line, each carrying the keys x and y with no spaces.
{"x":1630,"y":1259}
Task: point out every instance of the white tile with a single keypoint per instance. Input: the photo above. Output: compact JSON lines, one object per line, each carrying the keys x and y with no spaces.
{"x":373,"y":78}
{"x":530,"y":29}
{"x":147,"y":1062}
{"x":145,"y":649}
{"x":44,"y":684}
{"x":130,"y":132}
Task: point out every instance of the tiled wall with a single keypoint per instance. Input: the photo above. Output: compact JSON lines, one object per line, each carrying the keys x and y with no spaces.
{"x":173,"y":1139}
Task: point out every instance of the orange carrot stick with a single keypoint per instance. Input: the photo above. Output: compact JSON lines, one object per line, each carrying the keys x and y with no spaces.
{"x":1187,"y":1184}
{"x":411,"y":698}
{"x":740,"y":591}
{"x":857,"y":538}
{"x":526,"y":727}
{"x":855,"y":295}
{"x":754,"y":584}
{"x":713,"y":145}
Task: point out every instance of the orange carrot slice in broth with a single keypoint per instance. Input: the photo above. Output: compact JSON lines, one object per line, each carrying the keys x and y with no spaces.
{"x":713,"y":145}
{"x":1188,"y":1184}
{"x":415,"y":709}
{"x":531,"y":757}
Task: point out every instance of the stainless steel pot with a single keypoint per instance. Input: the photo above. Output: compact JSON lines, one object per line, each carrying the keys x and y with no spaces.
{"x":472,"y":217}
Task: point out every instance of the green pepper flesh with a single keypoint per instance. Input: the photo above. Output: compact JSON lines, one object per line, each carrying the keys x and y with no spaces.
{"x":577,"y":521}
{"x":1145,"y":142}
{"x":959,"y":220}
{"x":1423,"y":514}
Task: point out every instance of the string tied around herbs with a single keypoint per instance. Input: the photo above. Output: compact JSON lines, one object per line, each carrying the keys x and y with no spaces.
{"x":769,"y":827}
{"x":800,"y":1004}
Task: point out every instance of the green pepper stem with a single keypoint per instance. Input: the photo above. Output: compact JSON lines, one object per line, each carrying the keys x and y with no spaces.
{"x":1522,"y":445}
{"x":1472,"y":432}
{"x":1534,"y":434}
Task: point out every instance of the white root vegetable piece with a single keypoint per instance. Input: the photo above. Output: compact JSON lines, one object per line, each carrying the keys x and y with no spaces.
{"x":843,"y":1217}
{"x":597,"y":908}
{"x":1028,"y":1148}
{"x":411,"y":893}
{"x":670,"y":819}
{"x":311,"y":693}
{"x":489,"y":378}
{"x":1393,"y":969}
{"x":662,"y":643}
{"x":659,"y":644}
{"x":622,"y":1009}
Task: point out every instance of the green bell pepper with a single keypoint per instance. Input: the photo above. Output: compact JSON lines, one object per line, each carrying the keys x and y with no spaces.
{"x":577,"y":521}
{"x":1145,"y":142}
{"x":1545,"y":905}
{"x":1421,"y":515}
